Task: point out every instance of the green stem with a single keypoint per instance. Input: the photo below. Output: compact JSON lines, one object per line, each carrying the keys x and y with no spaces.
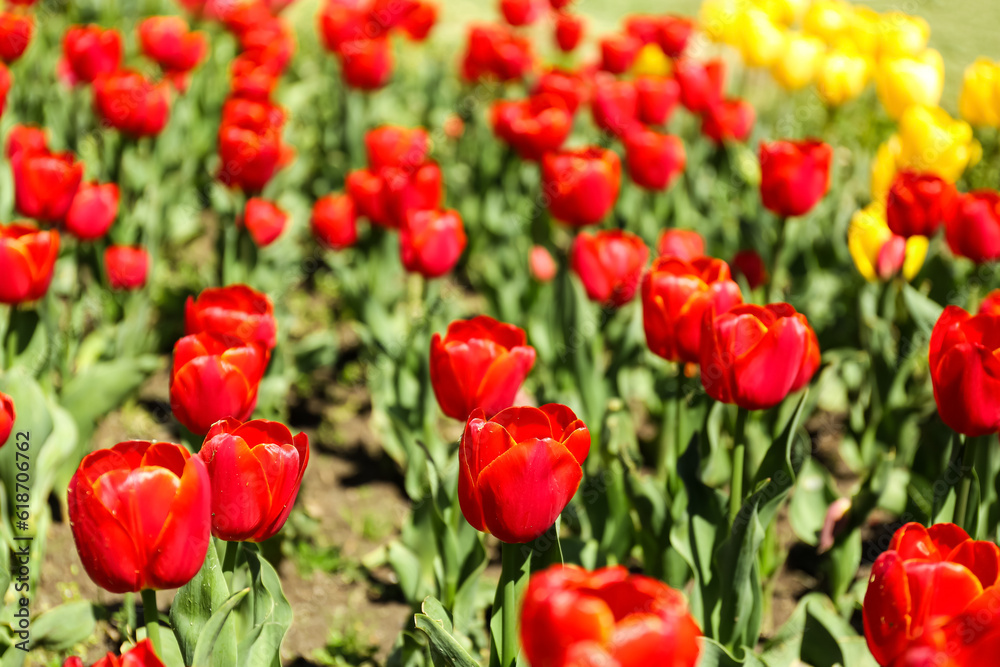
{"x":670,"y":435}
{"x":739,"y":465}
{"x":229,"y":561}
{"x":152,"y":617}
{"x":968,"y":446}
{"x":511,"y":563}
{"x":777,"y":251}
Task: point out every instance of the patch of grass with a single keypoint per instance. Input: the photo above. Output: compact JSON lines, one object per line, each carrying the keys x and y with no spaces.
{"x":347,"y":647}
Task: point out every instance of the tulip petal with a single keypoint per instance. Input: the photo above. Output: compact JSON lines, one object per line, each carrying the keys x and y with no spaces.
{"x":887,"y":608}
{"x":640,"y":640}
{"x":556,"y":621}
{"x":967,"y":389}
{"x":766,"y":375}
{"x":525,"y":423}
{"x":981,"y":558}
{"x":280,"y":464}
{"x":505,"y":376}
{"x":179,"y":551}
{"x":938,"y":591}
{"x":240,"y":494}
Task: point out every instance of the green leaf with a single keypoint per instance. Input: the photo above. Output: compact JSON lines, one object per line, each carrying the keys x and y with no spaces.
{"x":266,"y":613}
{"x":445,"y":649}
{"x":714,"y":654}
{"x":207,"y":640}
{"x":60,"y":628}
{"x":924,"y":311}
{"x":195,"y":604}
{"x":817,"y":635}
{"x":103,"y":386}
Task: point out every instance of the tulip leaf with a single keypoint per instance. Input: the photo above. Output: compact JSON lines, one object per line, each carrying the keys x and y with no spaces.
{"x":714,"y":654}
{"x":269,"y":615}
{"x":193,"y":607}
{"x":444,"y":648}
{"x":60,"y":628}
{"x":817,"y":635}
{"x":204,"y":648}
{"x":103,"y":386}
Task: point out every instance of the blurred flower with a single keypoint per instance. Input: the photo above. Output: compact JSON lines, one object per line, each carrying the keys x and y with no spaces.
{"x":609,"y":263}
{"x":904,"y":81}
{"x":127,"y":267}
{"x":5,"y":83}
{"x":674,"y":34}
{"x":570,"y":86}
{"x":654,"y":159}
{"x":521,"y":12}
{"x":251,"y":149}
{"x":979,"y":103}
{"x":795,"y":175}
{"x":581,"y":186}
{"x":833,"y":524}
{"x":395,"y":146}
{"x":606,"y":617}
{"x":973,"y":229}
{"x":236,"y":310}
{"x":884,"y":168}
{"x":90,"y":51}
{"x":214,"y":376}
{"x":902,"y":35}
{"x":175,"y":48}
{"x":532,"y":126}
{"x":479,"y":364}
{"x":618,"y":52}
{"x":334,"y":221}
{"x":864,"y":34}
{"x":264,"y":220}
{"x":93,"y":210}
{"x":783,"y":12}
{"x":45,"y":183}
{"x":676,"y":294}
{"x":27,"y":138}
{"x":657,"y":97}
{"x":493,"y":50}
{"x":749,"y":264}
{"x":877,"y":252}
{"x":365,"y":189}
{"x":651,"y":61}
{"x":728,"y":120}
{"x":754,"y":356}
{"x":615,"y":106}
{"x":252,"y":78}
{"x":761,"y":42}
{"x":685,"y":244}
{"x":140,"y":515}
{"x":930,"y":140}
{"x":419,"y":21}
{"x":543,"y":267}
{"x":560,"y":4}
{"x":701,"y":84}
{"x":828,"y":19}
{"x":366,"y":64}
{"x":16,"y":29}
{"x":569,"y":31}
{"x":645,"y":28}
{"x":453,"y":126}
{"x":256,"y":470}
{"x":799,"y":60}
{"x":431,"y":241}
{"x":719,"y":20}
{"x":341,"y":21}
{"x":27,"y":258}
{"x":7,"y":417}
{"x":918,"y":203}
{"x":519,"y":469}
{"x":129,"y":102}
{"x":406,"y":189}
{"x":932,"y":597}
{"x":842,"y":76}
{"x":991,"y":304}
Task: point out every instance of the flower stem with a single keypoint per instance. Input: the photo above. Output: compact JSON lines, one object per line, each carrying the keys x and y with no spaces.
{"x":968,"y":446}
{"x":229,"y":561}
{"x":511,"y":565}
{"x":777,"y":269}
{"x":739,"y":465}
{"x":152,"y":617}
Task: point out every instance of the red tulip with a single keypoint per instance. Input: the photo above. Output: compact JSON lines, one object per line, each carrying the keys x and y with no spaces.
{"x":932,"y":599}
{"x":418,"y":23}
{"x":657,"y":97}
{"x":390,"y":14}
{"x":27,"y":259}
{"x":334,"y":221}
{"x":729,"y":120}
{"x":365,"y":190}
{"x":754,"y":356}
{"x":129,"y":102}
{"x":582,"y":185}
{"x":685,"y":244}
{"x":341,"y":21}
{"x":991,"y":304}
{"x":93,"y":211}
{"x":520,"y":469}
{"x":702,"y":84}
{"x":366,"y":64}
{"x":795,"y":175}
{"x":140,"y":514}
{"x":141,"y":655}
{"x":273,"y":37}
{"x":618,"y":52}
{"x":543,"y":267}
{"x":521,"y":12}
{"x":169,"y":41}
{"x":654,"y":160}
{"x":127,"y":267}
{"x":615,"y":106}
{"x":674,"y":34}
{"x":919,"y":203}
{"x":965,"y":370}
{"x":250,"y":144}
{"x":394,"y":146}
{"x":15,"y":34}
{"x":90,"y":51}
{"x":480,"y":363}
{"x":610,"y":264}
{"x":494,"y":51}
{"x":750,"y":265}
{"x":560,"y":4}
{"x":406,"y":190}
{"x":215,"y":376}
{"x":644,"y":28}
{"x":7,"y":417}
{"x":533,"y":126}
{"x":5,"y":83}
{"x":676,"y":294}
{"x":264,"y":220}
{"x":236,"y":310}
{"x":431,"y":241}
{"x":569,"y":31}
{"x":973,"y":227}
{"x":569,"y":85}
{"x":26,"y":138}
{"x":606,"y":617}
{"x":251,"y":78}
{"x":256,"y":469}
{"x":45,"y":183}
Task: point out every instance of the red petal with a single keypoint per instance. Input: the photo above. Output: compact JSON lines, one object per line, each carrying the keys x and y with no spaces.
{"x":887,"y":608}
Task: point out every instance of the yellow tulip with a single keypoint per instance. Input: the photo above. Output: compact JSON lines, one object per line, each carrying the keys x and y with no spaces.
{"x":651,"y":61}
{"x":828,"y":19}
{"x":796,"y":67}
{"x":863,"y":33}
{"x":874,"y":247}
{"x":979,"y":102}
{"x":884,"y":168}
{"x":719,"y":18}
{"x":842,"y":76}
{"x":783,"y":12}
{"x":904,"y":82}
{"x":931,"y":140}
{"x":761,"y":41}
{"x":902,"y":35}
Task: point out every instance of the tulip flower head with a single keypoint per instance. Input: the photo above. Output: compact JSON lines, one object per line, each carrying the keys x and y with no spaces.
{"x":842,"y":76}
{"x":141,"y":515}
{"x":127,"y":267}
{"x":45,"y":183}
{"x":878,"y":253}
{"x":432,"y":241}
{"x":749,"y":264}
{"x":141,"y":655}
{"x":582,"y":185}
{"x":795,"y":175}
{"x":656,"y":98}
{"x":334,"y":221}
{"x":618,"y":52}
{"x":264,"y":220}
{"x":494,"y":51}
{"x":919,"y":203}
{"x":15,"y":34}
{"x":799,"y":61}
{"x":903,"y":82}
{"x":980,"y":95}
{"x":615,"y":106}
{"x":5,"y":82}
{"x":479,"y":363}
{"x":568,"y":31}
{"x":395,"y":146}
{"x":543,"y":267}
{"x":571,"y":86}
{"x":236,"y":310}
{"x":685,"y":244}
{"x":701,"y":84}
{"x":169,"y":41}
{"x":93,"y":211}
{"x":27,"y":259}
{"x":519,"y":469}
{"x":534,"y":126}
{"x":729,"y":120}
{"x":521,"y":12}
{"x":131,"y":103}
{"x":610,"y":264}
{"x":7,"y":417}
{"x":973,"y":227}
{"x":654,"y":160}
{"x":90,"y":51}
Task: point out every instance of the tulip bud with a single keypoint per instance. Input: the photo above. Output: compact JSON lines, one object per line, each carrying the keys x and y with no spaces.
{"x":656,"y":97}
{"x":568,"y":85}
{"x":236,"y":310}
{"x":618,"y":52}
{"x":15,"y":34}
{"x":701,"y":84}
{"x":609,"y":264}
{"x":250,"y":144}
{"x":729,"y":120}
{"x":828,"y":19}
{"x":761,"y":41}
{"x":169,"y":41}
{"x":494,"y":51}
{"x":903,"y":82}
{"x":408,"y":189}
{"x":256,"y":470}
{"x":520,"y":469}
{"x":979,"y":103}
{"x":420,"y":20}
{"x":581,"y":185}
{"x":27,"y":259}
{"x":684,"y":244}
{"x":7,"y":417}
{"x":480,"y":363}
{"x":127,"y":267}
{"x":919,"y":203}
{"x":799,"y":61}
{"x":26,"y":138}
{"x":334,"y":221}
{"x":749,"y":264}
{"x":93,"y":211}
{"x":264,"y":220}
{"x":615,"y":106}
{"x":842,"y":76}
{"x":521,"y":12}
{"x":569,"y":31}
{"x":129,"y":102}
{"x":140,"y":514}
{"x":902,"y":35}
{"x":45,"y":183}
{"x":674,"y":34}
{"x":534,"y":126}
{"x":654,"y":160}
{"x":795,"y":175}
{"x":543,"y":267}
{"x":90,"y":51}
{"x":431,"y":241}
{"x":973,"y":229}
{"x":366,"y":64}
